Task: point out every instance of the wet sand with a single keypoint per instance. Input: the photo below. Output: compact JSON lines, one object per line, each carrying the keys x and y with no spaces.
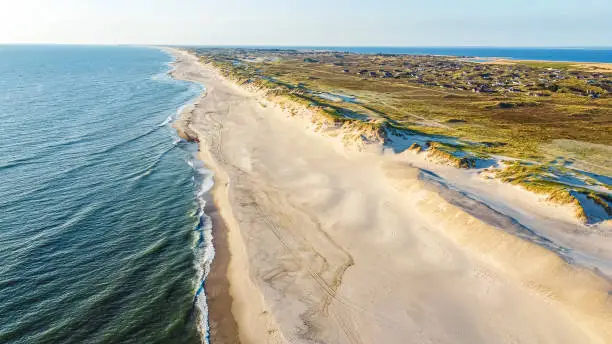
{"x":326,"y":245}
{"x":223,"y":327}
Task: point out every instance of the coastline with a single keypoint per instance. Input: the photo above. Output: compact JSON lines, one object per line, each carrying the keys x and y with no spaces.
{"x":249,"y":308}
{"x":222,"y":326}
{"x":598,"y":67}
{"x":234,"y":316}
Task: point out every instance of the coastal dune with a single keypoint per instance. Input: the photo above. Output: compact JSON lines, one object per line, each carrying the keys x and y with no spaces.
{"x":330,"y":245}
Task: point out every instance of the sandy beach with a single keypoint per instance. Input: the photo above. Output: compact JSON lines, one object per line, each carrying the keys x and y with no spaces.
{"x":318,"y":243}
{"x":588,"y":66}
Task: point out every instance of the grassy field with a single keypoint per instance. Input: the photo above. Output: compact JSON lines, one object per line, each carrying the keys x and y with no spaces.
{"x":520,"y":121}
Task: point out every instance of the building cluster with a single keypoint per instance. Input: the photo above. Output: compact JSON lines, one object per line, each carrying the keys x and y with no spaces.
{"x":443,"y":72}
{"x":486,"y":78}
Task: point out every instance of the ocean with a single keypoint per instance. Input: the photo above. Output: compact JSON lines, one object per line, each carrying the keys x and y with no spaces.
{"x":103,"y":238}
{"x":603,"y":54}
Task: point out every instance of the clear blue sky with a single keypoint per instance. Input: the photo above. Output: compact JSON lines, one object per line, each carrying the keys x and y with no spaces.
{"x":313,"y":22}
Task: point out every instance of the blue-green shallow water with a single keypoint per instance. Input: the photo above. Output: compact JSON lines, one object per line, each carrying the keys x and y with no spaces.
{"x":97,"y":199}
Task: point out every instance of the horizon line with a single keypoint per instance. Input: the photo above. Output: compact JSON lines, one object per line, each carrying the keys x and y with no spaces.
{"x":310,"y":45}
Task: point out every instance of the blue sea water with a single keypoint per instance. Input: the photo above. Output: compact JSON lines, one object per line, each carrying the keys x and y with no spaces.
{"x":100,"y":221}
{"x":549,"y":54}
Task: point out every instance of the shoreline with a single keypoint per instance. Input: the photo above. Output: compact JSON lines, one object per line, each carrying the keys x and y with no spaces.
{"x":234,"y":316}
{"x":596,"y":67}
{"x":254,"y":319}
{"x":222,"y":325}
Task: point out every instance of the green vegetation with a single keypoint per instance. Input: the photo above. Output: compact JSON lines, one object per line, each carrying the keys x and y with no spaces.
{"x":451,"y":154}
{"x":522,"y":121}
{"x":544,"y":180}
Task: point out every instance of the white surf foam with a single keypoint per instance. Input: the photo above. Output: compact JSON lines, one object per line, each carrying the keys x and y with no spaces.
{"x":204,"y":250}
{"x":203,"y":179}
